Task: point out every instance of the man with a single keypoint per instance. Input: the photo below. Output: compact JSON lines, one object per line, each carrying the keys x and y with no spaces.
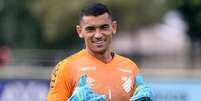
{"x":96,"y":73}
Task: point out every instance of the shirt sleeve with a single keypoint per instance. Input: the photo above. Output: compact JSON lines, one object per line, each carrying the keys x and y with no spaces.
{"x":135,"y":70}
{"x":61,"y":86}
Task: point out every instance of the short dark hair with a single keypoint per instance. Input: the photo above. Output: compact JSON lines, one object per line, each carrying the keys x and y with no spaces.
{"x":95,"y":9}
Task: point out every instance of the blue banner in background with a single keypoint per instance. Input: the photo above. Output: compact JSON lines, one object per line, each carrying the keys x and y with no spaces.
{"x":36,"y":90}
{"x":23,"y":90}
{"x":176,"y":90}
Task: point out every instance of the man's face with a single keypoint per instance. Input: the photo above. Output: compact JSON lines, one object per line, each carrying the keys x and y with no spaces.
{"x":97,"y":32}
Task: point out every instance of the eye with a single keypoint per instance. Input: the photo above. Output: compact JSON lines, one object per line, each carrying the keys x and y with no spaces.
{"x":90,"y":29}
{"x":105,"y":27}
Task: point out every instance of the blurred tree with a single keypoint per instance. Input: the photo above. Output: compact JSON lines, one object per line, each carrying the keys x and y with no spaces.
{"x":191,"y":10}
{"x":51,"y":23}
{"x":28,"y":28}
{"x":19,"y":29}
{"x":59,"y":17}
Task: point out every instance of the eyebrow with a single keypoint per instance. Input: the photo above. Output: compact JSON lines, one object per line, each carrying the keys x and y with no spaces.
{"x":104,"y":25}
{"x":93,"y":26}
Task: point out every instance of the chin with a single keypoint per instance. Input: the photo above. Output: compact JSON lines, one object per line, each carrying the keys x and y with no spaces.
{"x":99,"y":50}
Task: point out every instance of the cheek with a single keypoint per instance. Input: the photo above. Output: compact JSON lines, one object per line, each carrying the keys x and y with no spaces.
{"x":109,"y":37}
{"x":108,"y":33}
{"x":88,"y":40}
{"x":109,"y":40}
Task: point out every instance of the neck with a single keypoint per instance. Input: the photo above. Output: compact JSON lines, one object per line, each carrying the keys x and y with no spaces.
{"x":103,"y":56}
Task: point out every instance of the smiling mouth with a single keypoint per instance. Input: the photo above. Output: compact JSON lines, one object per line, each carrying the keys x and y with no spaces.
{"x":98,"y":43}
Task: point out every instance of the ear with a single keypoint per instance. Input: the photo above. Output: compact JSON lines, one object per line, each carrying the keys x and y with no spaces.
{"x":79,"y":30}
{"x":114,"y":27}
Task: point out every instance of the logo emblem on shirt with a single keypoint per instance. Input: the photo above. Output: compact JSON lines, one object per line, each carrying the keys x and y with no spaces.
{"x":124,"y":78}
{"x":126,"y":70}
{"x":90,"y":81}
{"x":127,"y":85}
{"x":86,"y":68}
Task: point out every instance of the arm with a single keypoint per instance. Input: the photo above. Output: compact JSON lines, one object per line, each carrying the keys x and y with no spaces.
{"x":61,"y":83}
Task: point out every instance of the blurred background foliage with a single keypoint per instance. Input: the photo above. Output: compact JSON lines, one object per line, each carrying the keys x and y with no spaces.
{"x":50,"y":24}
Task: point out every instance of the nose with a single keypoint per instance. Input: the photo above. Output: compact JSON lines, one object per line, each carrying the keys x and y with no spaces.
{"x":98,"y":33}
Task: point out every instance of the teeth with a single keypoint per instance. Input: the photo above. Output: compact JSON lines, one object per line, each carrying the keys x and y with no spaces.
{"x":99,"y":42}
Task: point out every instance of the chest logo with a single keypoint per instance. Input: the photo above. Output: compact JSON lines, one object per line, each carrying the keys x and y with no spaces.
{"x":125,"y":70}
{"x":86,"y":68}
{"x":124,"y":78}
{"x":90,"y":81}
{"x":127,"y":85}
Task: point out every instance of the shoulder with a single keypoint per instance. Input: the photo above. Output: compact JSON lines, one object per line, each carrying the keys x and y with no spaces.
{"x":125,"y":60}
{"x":71,"y":59}
{"x":65,"y":64}
{"x":63,"y":68}
{"x":127,"y":63}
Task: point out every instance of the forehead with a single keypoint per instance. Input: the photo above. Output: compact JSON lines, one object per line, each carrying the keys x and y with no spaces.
{"x":95,"y":20}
